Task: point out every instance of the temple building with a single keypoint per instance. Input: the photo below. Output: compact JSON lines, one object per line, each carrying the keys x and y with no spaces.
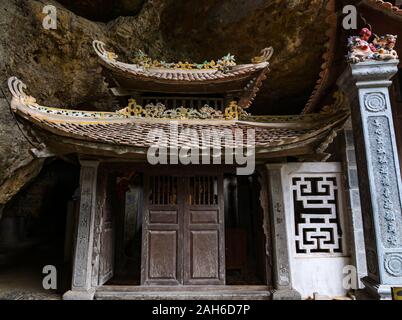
{"x":184,"y":192}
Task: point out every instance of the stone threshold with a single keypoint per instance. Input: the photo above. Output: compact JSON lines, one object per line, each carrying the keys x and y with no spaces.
{"x":110,"y":292}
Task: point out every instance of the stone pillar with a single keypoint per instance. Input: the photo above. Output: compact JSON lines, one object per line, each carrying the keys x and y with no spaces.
{"x":366,"y":85}
{"x":280,"y":242}
{"x":353,"y":208}
{"x":81,"y":288}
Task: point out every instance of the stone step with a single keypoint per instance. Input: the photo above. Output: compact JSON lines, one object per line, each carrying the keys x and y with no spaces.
{"x":138,"y":293}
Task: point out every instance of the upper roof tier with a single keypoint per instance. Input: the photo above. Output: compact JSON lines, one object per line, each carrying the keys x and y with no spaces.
{"x":209,"y":77}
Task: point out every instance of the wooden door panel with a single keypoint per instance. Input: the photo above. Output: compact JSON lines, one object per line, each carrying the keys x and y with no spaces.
{"x":105,"y":228}
{"x":162,"y":255}
{"x":161,"y":259}
{"x":163,"y":217}
{"x":204,"y":247}
{"x":204,"y":216}
{"x":107,"y":256}
{"x":161,"y":234}
{"x":204,"y":254}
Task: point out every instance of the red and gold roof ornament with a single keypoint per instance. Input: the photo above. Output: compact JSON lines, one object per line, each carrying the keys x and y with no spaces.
{"x":368,"y":46}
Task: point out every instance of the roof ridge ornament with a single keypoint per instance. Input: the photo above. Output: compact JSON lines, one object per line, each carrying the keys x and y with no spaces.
{"x":143,"y":61}
{"x":380,"y":48}
{"x":100,"y":49}
{"x":159,"y":111}
{"x":17,"y":87}
{"x":265,"y":55}
{"x":223,"y":64}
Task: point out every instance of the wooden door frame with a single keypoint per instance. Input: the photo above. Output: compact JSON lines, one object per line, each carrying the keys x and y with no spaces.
{"x":104,"y":233}
{"x":117,"y":168}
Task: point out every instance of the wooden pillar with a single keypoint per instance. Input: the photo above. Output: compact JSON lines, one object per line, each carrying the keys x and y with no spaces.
{"x":366,"y":85}
{"x":281,"y":267}
{"x":81,"y":288}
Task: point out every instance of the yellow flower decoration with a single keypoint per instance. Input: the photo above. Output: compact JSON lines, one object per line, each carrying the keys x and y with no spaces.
{"x":132,"y":110}
{"x":232,"y":111}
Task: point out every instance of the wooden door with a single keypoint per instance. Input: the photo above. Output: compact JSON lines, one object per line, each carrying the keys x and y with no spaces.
{"x":183,"y":231}
{"x":204,"y":247}
{"x":161,"y":261}
{"x":106,"y":263}
{"x":105,"y":228}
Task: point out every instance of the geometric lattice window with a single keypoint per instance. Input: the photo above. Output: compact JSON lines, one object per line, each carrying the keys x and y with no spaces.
{"x":316,"y":216}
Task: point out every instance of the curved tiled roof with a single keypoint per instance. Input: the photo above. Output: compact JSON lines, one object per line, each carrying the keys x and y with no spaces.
{"x":176,"y":75}
{"x":385,"y":5}
{"x":136,"y":134}
{"x":245,"y":79}
{"x":113,"y":129}
{"x":328,"y":58}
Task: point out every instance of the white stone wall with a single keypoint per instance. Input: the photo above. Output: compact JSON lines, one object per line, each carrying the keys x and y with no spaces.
{"x":317,"y":229}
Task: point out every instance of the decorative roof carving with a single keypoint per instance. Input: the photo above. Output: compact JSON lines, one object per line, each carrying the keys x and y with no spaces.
{"x":361,"y":48}
{"x":265,"y":55}
{"x":17,"y":88}
{"x":159,"y":111}
{"x":223,"y":64}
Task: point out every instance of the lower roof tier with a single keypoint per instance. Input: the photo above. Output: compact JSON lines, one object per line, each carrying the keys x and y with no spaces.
{"x":117,"y":134}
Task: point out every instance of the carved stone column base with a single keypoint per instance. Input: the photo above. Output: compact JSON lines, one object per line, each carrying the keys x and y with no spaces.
{"x":378,"y":291}
{"x":79,"y":295}
{"x":286,"y":294}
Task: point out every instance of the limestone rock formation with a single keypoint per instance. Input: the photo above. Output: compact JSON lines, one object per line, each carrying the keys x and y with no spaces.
{"x":58,"y":67}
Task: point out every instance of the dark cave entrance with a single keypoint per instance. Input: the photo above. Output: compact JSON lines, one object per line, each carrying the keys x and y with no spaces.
{"x":37,"y":229}
{"x":103,"y":10}
{"x":244,"y":236}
